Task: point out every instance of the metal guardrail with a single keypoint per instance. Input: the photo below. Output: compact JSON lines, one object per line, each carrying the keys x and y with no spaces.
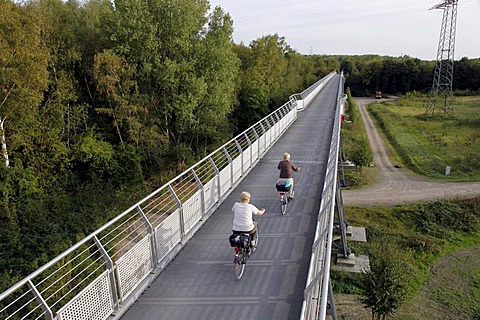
{"x":103,"y":274}
{"x":318,"y":287}
{"x":303,"y":99}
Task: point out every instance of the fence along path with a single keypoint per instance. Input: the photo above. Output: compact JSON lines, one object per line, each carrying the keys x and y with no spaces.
{"x":101,"y":276}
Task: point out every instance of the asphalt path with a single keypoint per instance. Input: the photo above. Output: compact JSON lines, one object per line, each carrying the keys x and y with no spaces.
{"x":398,"y":185}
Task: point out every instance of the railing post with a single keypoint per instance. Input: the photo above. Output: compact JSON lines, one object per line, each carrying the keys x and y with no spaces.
{"x":257,"y":138}
{"x":239,"y":147}
{"x":202,"y":195}
{"x":276,"y":125}
{"x":331,"y":309}
{"x":217,"y":174}
{"x":342,"y":222}
{"x":250,"y":146}
{"x":43,"y":304}
{"x":229,"y":158}
{"x":151,"y":231}
{"x":264,"y":140}
{"x":111,"y":275}
{"x":267,"y":125}
{"x":285,"y":119}
{"x":180,"y":209}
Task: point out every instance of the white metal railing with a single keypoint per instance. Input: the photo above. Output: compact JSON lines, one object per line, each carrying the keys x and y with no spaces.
{"x":317,"y":288}
{"x":103,"y":273}
{"x":303,"y":99}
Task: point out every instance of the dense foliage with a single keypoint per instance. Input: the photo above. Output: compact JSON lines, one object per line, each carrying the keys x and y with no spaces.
{"x":102,"y":102}
{"x":369,"y":73}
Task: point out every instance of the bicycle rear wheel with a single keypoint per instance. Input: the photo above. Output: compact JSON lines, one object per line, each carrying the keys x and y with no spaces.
{"x":240,"y":264}
{"x":284,"y":203}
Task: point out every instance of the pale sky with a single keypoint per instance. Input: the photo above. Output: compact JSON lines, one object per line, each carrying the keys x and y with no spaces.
{"x":356,"y":27}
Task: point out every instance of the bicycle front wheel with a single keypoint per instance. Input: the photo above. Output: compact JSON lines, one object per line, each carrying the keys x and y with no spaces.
{"x":240,"y":265}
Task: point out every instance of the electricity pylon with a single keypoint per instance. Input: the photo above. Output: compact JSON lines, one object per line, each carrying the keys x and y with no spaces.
{"x":441,"y":95}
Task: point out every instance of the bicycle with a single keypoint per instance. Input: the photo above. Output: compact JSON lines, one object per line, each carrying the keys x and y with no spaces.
{"x":243,"y":249}
{"x":285,"y":195}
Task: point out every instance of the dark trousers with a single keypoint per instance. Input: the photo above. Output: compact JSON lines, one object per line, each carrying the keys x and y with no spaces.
{"x":252,"y":232}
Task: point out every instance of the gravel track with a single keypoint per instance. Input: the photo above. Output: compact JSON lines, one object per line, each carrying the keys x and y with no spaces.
{"x":395,"y":186}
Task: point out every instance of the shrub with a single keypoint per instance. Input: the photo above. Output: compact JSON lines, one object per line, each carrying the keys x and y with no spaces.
{"x":440,"y":218}
{"x":346,"y":282}
{"x":354,"y":178}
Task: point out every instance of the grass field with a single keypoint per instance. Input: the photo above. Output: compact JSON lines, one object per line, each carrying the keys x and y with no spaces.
{"x":428,"y":144}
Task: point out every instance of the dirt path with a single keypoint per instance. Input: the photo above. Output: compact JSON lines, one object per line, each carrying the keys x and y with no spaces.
{"x":449,"y":280}
{"x":399,"y":185}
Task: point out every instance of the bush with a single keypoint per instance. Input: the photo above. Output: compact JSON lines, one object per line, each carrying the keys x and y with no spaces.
{"x":440,"y":218}
{"x":387,"y":282}
{"x":421,"y":243}
{"x":354,"y":178}
{"x":346,"y":282}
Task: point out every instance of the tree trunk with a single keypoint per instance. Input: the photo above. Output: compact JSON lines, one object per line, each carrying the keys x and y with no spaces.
{"x":4,"y":143}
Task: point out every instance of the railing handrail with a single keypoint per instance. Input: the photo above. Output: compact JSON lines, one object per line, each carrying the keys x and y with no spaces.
{"x":319,"y":273}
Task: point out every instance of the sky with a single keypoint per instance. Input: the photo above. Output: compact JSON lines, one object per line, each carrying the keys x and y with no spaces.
{"x":356,"y":27}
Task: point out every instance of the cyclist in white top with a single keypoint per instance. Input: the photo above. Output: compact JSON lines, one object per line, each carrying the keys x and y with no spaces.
{"x":243,"y":216}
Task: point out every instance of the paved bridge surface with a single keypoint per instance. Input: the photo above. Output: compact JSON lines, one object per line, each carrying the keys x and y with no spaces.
{"x":200,"y":282}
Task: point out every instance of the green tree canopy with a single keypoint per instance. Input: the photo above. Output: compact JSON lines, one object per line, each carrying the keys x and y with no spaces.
{"x":386,"y":282}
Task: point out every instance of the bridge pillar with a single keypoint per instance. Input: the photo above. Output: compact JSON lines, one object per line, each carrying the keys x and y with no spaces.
{"x":343,"y":258}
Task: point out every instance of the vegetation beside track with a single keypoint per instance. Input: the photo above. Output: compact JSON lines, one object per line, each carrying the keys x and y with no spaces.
{"x":431,"y":246}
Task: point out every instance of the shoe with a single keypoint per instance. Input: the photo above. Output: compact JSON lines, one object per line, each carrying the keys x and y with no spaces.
{"x":254,"y":244}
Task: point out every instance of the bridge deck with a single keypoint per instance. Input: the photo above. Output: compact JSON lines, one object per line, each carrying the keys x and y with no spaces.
{"x":200,"y":282}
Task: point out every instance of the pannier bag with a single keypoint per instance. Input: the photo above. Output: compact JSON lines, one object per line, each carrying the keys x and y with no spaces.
{"x":239,"y":240}
{"x":283,"y":185}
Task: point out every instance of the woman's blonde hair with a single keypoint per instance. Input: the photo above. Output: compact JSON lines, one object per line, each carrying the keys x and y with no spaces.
{"x":286,"y":156}
{"x":245,"y":196}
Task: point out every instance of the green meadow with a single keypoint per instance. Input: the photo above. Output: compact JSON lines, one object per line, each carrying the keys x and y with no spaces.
{"x":427,"y":143}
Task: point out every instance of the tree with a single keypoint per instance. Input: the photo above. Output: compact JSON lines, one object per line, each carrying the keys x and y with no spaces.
{"x":270,"y":66}
{"x":62,"y":114}
{"x":325,"y":64}
{"x":386,"y":282}
{"x":300,"y":73}
{"x":371,"y":75}
{"x":348,"y":66}
{"x":218,"y":67}
{"x":262,"y":80}
{"x":23,"y":76}
{"x":361,"y":154}
{"x":185,"y":71}
{"x":115,"y":81}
